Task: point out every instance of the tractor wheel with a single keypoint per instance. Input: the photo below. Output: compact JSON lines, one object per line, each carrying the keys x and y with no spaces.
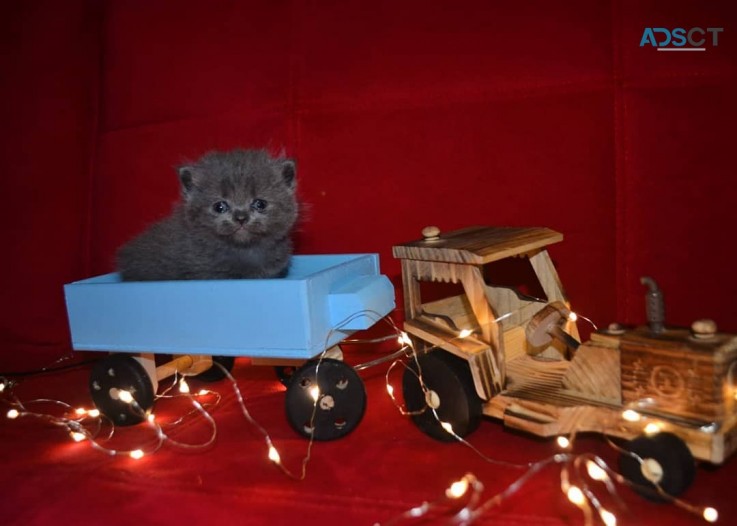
{"x":664,"y":459}
{"x":450,"y":392}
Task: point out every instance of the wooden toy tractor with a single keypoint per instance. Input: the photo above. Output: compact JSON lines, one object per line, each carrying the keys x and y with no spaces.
{"x":492,"y":350}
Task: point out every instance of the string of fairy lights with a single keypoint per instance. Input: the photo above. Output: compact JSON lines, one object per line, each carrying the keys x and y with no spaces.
{"x":90,"y":425}
{"x":583,"y":476}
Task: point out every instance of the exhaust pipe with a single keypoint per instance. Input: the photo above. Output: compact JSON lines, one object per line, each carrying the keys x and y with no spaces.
{"x":654,"y":305}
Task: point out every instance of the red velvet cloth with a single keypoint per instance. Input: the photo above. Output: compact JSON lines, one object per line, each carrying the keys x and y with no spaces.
{"x":385,"y":467}
{"x":400,"y":114}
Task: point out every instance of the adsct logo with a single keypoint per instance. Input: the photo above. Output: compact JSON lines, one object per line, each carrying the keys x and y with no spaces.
{"x":680,"y":39}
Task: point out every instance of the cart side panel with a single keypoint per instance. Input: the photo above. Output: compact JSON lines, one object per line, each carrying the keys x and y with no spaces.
{"x":275,"y":318}
{"x":194,"y":317}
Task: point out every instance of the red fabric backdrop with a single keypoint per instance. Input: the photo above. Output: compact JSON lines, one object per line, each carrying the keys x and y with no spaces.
{"x":400,"y":114}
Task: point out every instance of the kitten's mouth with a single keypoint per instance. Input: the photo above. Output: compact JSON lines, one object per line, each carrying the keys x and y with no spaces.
{"x":241,"y":234}
{"x":244,"y":234}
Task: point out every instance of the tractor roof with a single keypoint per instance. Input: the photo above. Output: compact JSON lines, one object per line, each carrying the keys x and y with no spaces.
{"x":478,"y":245}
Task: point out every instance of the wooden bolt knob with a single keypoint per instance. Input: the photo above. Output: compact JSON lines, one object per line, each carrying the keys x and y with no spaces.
{"x":431,"y":233}
{"x":703,"y":328}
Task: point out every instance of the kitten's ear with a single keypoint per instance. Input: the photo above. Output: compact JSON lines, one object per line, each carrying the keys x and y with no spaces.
{"x":186,"y":178}
{"x":289,"y":172}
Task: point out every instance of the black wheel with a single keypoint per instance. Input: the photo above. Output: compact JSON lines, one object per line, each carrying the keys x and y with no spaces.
{"x":215,"y":373}
{"x":111,"y":378}
{"x":451,"y":391}
{"x":666,"y":460}
{"x":285,"y":373}
{"x":341,"y":400}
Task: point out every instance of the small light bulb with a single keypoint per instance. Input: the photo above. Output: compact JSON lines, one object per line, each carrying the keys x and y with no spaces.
{"x":136,"y":454}
{"x":465,"y":333}
{"x":77,"y":436}
{"x":652,"y":428}
{"x":404,"y":339}
{"x":13,"y":413}
{"x":80,"y":411}
{"x":710,"y":428}
{"x":563,"y":442}
{"x":448,"y":427}
{"x":631,"y":415}
{"x":710,"y":514}
{"x":183,"y":386}
{"x":390,"y":389}
{"x":595,"y":471}
{"x":572,"y":316}
{"x":575,"y":495}
{"x":457,"y":489}
{"x":2,"y":387}
{"x":151,"y":418}
{"x":94,"y":413}
{"x":202,"y":392}
{"x":125,"y":396}
{"x":607,"y":517}
{"x":274,"y":455}
{"x":417,"y":511}
{"x":315,"y":392}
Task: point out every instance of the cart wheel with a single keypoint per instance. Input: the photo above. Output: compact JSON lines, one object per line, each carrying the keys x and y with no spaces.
{"x":451,"y":392}
{"x":666,"y":460}
{"x":215,"y":373}
{"x":340,"y":405}
{"x":114,"y":374}
{"x":285,"y":373}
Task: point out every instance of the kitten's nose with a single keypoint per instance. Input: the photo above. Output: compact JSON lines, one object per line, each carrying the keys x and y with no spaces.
{"x":241,"y":216}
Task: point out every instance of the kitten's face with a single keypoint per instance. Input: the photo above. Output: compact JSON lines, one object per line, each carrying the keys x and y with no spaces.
{"x":240,"y":196}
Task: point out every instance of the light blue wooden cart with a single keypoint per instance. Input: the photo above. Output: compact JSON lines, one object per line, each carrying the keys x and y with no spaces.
{"x":205,"y":324}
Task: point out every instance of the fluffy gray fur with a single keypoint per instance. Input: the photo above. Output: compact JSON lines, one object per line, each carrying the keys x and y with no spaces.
{"x":234,"y":221}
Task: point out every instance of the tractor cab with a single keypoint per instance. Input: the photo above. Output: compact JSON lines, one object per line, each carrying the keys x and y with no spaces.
{"x":485,"y":324}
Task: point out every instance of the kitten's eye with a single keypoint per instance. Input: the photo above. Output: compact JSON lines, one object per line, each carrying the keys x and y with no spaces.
{"x":220,"y":207}
{"x":259,"y":204}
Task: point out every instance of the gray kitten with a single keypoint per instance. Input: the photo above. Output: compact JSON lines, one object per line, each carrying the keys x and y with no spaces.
{"x":234,"y":221}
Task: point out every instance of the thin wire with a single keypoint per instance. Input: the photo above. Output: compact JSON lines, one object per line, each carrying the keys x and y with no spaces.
{"x":359,"y":341}
{"x":77,"y":423}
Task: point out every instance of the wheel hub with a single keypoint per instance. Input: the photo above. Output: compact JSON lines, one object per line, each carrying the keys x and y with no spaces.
{"x":432,"y":399}
{"x":327,"y":402}
{"x":652,"y":470}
